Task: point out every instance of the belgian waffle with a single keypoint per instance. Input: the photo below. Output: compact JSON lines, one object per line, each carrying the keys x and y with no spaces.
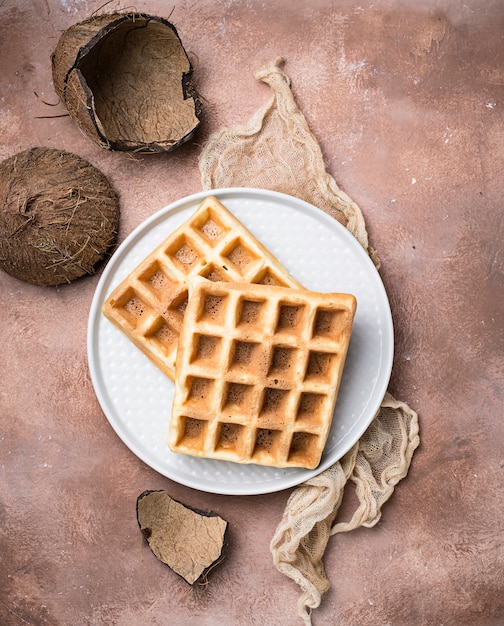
{"x":258,"y":372}
{"x":148,"y":306}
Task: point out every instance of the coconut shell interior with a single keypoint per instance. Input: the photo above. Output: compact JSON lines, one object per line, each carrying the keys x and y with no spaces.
{"x":189,"y":541}
{"x":59,"y":216}
{"x":126,"y":79}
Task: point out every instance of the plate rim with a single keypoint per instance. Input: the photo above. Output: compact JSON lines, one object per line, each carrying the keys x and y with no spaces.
{"x":296,"y":475}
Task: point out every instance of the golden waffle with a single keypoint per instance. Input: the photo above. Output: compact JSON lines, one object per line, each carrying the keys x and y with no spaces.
{"x":148,"y":306}
{"x":258,"y":373}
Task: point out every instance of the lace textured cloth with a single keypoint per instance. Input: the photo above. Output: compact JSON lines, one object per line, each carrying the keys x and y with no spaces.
{"x":276,"y":150}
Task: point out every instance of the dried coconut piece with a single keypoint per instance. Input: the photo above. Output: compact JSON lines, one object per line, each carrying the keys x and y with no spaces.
{"x":59,"y":216}
{"x":190,"y":542}
{"x":126,"y":80}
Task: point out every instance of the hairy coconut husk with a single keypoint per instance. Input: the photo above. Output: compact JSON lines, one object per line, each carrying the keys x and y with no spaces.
{"x":126,"y":80}
{"x":59,"y":216}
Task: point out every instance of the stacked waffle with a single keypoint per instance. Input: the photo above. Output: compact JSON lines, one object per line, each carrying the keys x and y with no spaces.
{"x":256,"y":359}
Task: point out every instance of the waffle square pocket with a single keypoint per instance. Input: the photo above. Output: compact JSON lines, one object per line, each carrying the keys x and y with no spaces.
{"x":148,"y":305}
{"x":258,"y":372}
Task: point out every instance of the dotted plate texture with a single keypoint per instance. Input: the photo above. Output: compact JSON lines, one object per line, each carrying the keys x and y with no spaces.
{"x":136,"y":397}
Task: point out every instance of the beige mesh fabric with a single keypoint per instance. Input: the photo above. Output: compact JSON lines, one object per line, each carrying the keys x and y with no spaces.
{"x":277,"y":151}
{"x":375,"y":464}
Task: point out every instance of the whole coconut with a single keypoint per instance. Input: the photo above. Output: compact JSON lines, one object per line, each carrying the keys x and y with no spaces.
{"x":126,"y":80}
{"x":59,"y":216}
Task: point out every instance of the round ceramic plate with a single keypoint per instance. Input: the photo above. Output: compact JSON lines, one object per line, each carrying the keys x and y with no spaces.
{"x":136,"y":397}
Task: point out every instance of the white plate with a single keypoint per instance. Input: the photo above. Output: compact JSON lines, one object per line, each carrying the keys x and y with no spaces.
{"x":136,"y":397}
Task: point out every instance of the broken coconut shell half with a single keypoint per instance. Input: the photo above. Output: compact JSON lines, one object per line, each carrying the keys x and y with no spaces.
{"x":126,"y":80}
{"x":59,"y":216}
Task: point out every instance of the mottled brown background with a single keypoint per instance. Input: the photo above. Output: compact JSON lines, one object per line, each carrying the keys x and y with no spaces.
{"x":407,"y":102}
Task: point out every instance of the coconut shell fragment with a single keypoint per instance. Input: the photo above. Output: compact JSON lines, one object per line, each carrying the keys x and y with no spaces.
{"x":126,"y":80}
{"x":59,"y":216}
{"x":190,"y":542}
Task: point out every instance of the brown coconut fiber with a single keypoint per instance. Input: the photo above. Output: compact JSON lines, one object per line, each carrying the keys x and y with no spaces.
{"x":126,"y":80}
{"x":59,"y":216}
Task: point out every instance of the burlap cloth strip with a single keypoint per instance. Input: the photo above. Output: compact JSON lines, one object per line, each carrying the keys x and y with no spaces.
{"x":276,"y":150}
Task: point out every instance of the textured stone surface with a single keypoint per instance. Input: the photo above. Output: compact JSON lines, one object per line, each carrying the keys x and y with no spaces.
{"x":408,"y":106}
